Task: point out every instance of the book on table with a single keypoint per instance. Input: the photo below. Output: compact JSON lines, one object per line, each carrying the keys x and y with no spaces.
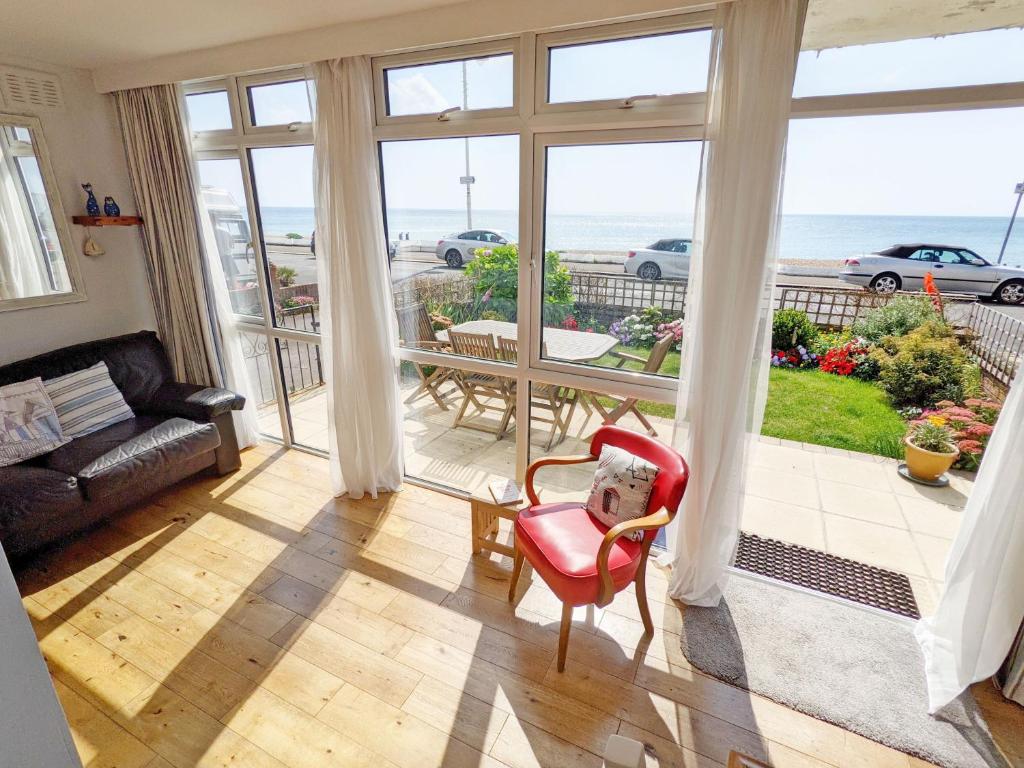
{"x":505,"y":492}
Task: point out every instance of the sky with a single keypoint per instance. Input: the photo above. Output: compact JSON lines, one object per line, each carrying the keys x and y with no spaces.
{"x":945,"y":164}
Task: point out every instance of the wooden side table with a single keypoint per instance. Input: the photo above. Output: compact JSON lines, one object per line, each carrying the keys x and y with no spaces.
{"x":486,"y":515}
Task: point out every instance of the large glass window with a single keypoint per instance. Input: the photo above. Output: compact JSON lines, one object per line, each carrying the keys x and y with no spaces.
{"x":479,"y":83}
{"x":618,"y":228}
{"x":671,"y":63}
{"x":975,"y":58}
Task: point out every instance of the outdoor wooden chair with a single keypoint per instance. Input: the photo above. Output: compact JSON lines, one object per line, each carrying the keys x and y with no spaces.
{"x":624,"y":405}
{"x":559,"y":401}
{"x":415,"y":330}
{"x":481,"y":390}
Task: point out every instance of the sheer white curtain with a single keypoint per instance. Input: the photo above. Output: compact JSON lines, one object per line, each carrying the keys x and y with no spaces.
{"x":724,"y":372}
{"x":982,"y":605}
{"x":358,"y":325}
{"x":22,"y":261}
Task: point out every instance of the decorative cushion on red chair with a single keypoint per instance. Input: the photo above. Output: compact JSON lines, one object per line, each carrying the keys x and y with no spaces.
{"x":561,"y":542}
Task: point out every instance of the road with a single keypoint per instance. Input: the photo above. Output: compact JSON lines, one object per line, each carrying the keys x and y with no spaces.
{"x":407,"y":265}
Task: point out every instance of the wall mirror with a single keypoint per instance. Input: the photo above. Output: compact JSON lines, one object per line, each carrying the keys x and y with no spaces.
{"x":38,"y":266}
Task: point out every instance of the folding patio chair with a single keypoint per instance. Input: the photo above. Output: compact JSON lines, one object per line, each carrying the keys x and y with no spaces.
{"x":481,"y":389}
{"x":624,"y":405}
{"x":546,"y":397}
{"x":415,"y":330}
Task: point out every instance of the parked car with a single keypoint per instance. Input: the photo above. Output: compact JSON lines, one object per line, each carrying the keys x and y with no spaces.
{"x":665,"y":258}
{"x":455,"y":250}
{"x":955,"y":269}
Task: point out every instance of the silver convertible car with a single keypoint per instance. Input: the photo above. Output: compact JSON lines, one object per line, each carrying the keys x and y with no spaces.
{"x":955,"y":269}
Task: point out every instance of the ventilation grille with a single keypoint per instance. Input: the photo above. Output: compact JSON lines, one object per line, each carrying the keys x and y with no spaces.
{"x":27,"y":89}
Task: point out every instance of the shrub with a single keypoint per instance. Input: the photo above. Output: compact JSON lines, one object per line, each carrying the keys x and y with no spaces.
{"x":923,"y":367}
{"x":286,"y":276}
{"x":495,"y":276}
{"x":897,"y":318}
{"x":792,"y":328}
{"x":293,"y":236}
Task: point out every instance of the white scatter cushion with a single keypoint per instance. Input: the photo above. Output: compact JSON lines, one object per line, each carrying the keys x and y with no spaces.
{"x":87,"y":400}
{"x":28,"y":422}
{"x":622,"y":486}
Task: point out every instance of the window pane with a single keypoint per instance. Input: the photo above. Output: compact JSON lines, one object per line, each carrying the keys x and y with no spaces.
{"x":455,"y":266}
{"x":208,"y":111}
{"x":617,"y":229}
{"x":279,"y":103}
{"x":616,"y":69}
{"x":975,"y":58}
{"x":303,"y":374}
{"x":484,"y":83}
{"x":283,"y":178}
{"x":256,"y":351}
{"x":56,"y":268}
{"x":464,"y":457}
{"x":224,"y":197}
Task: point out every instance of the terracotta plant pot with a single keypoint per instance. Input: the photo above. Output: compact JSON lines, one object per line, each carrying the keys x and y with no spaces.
{"x":927,"y":465}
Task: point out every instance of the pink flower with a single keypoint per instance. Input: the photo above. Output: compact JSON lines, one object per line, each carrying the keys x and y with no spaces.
{"x":970,"y":446}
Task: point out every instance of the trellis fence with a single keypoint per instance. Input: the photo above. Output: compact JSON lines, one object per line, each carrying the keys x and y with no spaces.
{"x":996,"y":340}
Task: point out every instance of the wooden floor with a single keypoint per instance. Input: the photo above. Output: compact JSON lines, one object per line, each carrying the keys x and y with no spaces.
{"x":255,"y":621}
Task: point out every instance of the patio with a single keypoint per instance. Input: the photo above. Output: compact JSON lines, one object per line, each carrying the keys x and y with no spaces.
{"x":847,"y":504}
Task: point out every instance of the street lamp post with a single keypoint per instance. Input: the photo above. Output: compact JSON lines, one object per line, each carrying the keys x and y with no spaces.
{"x":467,"y":179}
{"x":1019,"y":191}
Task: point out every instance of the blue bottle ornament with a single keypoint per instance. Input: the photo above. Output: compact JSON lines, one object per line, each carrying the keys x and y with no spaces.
{"x":92,"y":206}
{"x":110,"y":208}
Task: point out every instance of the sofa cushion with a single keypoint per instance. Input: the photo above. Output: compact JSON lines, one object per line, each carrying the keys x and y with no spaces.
{"x":138,"y":450}
{"x":87,"y":401}
{"x":29,"y":425}
{"x":30,"y":497}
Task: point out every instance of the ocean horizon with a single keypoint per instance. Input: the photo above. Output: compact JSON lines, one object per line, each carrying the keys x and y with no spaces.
{"x":803,"y":236}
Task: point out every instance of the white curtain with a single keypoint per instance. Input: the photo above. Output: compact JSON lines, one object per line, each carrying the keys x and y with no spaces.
{"x":982,"y":605}
{"x":724,"y":373}
{"x":358,"y":325}
{"x":23,"y":270}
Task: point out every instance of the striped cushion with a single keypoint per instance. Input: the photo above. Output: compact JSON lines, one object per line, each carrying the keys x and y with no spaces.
{"x":87,"y":401}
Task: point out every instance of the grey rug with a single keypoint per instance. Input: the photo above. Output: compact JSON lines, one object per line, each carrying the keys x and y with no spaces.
{"x":836,"y":662}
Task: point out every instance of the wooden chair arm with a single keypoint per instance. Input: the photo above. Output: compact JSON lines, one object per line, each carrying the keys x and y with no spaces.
{"x":531,"y":470}
{"x":624,"y":356}
{"x":657,"y":519}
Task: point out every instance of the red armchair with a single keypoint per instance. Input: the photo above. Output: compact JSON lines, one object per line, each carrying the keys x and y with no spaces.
{"x":582,"y":560}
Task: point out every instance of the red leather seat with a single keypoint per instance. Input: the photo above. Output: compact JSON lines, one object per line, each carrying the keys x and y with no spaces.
{"x":580,"y":558}
{"x":561,"y":542}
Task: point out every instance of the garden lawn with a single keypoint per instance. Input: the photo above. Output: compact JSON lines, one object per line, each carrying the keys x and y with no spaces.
{"x":838,"y":411}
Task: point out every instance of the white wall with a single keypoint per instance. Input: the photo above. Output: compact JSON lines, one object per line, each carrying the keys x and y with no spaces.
{"x":85,"y":145}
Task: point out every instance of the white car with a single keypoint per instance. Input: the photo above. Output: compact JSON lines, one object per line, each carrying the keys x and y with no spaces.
{"x":955,"y":269}
{"x":665,"y":258}
{"x":455,"y":250}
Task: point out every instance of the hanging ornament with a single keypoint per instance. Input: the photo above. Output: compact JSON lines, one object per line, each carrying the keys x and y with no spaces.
{"x":90,"y":247}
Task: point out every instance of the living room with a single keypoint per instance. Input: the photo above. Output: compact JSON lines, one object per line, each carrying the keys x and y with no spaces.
{"x":457,"y":382}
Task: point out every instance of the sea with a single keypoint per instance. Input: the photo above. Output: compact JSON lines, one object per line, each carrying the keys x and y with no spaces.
{"x":803,"y":237}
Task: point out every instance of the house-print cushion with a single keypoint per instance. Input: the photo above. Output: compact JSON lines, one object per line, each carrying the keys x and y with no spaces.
{"x":28,"y":422}
{"x":87,"y":400}
{"x":622,"y":485}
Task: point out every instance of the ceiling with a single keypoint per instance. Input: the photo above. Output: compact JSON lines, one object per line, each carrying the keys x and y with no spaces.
{"x":89,"y":36}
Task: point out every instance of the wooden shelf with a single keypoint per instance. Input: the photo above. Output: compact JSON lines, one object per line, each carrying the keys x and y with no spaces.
{"x":107,"y":221}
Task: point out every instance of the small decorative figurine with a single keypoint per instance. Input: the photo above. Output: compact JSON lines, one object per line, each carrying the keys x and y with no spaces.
{"x":92,"y":207}
{"x":110,"y":207}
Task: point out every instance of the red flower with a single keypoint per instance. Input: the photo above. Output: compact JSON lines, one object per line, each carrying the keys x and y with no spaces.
{"x":970,"y":446}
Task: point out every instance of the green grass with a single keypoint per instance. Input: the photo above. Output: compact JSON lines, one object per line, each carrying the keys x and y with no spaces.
{"x":838,"y":411}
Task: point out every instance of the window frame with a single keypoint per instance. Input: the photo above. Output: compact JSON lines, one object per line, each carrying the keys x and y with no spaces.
{"x":446,"y":55}
{"x":668,"y":103}
{"x":213,"y":86}
{"x":276,"y":77}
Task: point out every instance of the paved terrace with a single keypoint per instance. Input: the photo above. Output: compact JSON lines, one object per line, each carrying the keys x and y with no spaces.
{"x":848,"y":504}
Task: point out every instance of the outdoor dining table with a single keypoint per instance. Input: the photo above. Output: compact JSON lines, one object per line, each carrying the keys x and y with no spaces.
{"x":560,"y":343}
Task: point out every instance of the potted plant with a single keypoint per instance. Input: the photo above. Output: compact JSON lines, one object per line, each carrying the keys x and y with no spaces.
{"x":930,"y":450}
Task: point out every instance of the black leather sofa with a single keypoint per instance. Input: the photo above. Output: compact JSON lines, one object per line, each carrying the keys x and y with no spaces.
{"x":178,"y":430}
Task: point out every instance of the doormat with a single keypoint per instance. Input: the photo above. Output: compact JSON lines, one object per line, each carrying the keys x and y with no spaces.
{"x":820,"y":571}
